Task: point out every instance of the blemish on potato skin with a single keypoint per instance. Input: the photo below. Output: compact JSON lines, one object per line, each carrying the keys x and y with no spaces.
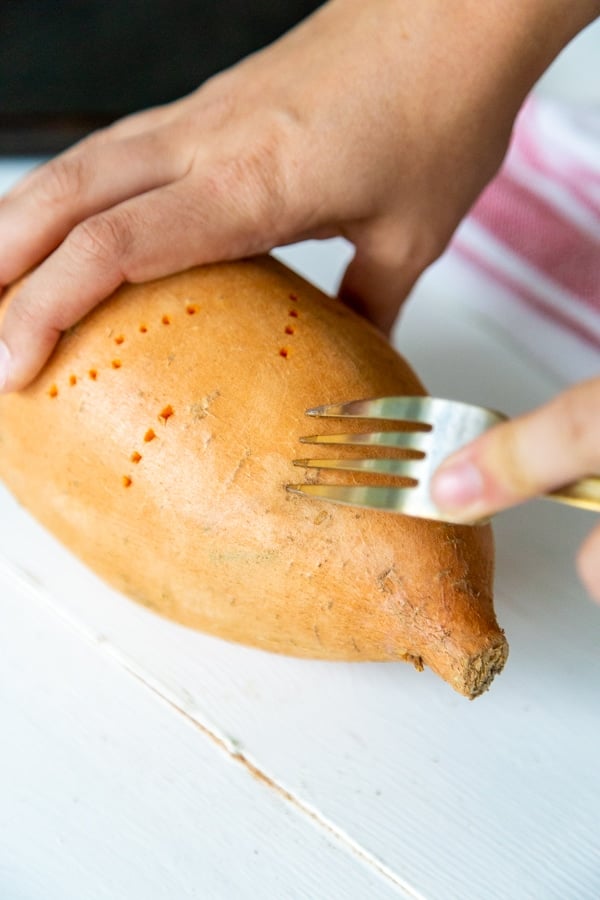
{"x":201,"y":409}
{"x":386,"y":581}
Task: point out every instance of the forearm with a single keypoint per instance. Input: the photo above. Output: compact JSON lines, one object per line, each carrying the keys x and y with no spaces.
{"x":496,"y":46}
{"x":529,"y":34}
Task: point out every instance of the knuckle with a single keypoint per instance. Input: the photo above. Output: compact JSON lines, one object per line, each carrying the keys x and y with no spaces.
{"x":215,"y":99}
{"x":35,"y":322}
{"x":255,"y":177}
{"x":508,"y":462}
{"x":23,"y":315}
{"x":28,"y":314}
{"x":103,"y":239}
{"x":264,"y":169}
{"x":64,"y":178}
{"x":578,"y":424}
{"x":93,"y":140}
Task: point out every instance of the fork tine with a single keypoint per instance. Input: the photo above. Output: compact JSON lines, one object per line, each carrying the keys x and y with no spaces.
{"x":398,"y":409}
{"x":407,"y":500}
{"x":429,"y":410}
{"x":451,"y":425}
{"x":356,"y":495}
{"x":407,"y":468}
{"x":407,"y":440}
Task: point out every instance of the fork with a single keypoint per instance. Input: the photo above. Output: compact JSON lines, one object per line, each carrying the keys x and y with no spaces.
{"x":433,"y":429}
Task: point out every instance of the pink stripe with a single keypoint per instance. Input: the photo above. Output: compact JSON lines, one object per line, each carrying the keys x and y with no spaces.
{"x":524,"y":295}
{"x":533,"y":229}
{"x":570,"y":174}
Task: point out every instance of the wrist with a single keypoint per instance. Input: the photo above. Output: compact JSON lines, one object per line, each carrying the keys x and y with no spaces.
{"x":536,"y":31}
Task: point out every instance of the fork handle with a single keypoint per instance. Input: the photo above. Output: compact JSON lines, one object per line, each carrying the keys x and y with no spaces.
{"x":584,"y":493}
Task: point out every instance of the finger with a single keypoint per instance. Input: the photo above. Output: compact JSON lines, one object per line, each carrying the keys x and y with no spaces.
{"x":156,"y":234}
{"x":131,"y":126}
{"x":73,"y":187}
{"x":377,"y":281}
{"x":122,"y":129}
{"x":524,"y":458}
{"x":588,"y":564}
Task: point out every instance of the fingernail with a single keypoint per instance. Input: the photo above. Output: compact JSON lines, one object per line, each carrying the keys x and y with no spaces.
{"x":457,"y":486}
{"x":4,"y":364}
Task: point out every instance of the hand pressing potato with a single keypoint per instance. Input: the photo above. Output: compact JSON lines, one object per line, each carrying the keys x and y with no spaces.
{"x":380,"y":121}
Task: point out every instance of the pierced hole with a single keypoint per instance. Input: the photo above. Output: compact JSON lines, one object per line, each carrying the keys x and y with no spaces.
{"x":149,"y":436}
{"x":166,"y":413}
{"x":143,"y":329}
{"x":72,"y":380}
{"x":288,"y":329}
{"x":136,"y":457}
{"x":93,"y":374}
{"x":191,"y":310}
{"x":166,"y":320}
{"x":116,"y":363}
{"x":293,"y":298}
{"x":284,"y":352}
{"x":127,"y":482}
{"x":53,"y":392}
{"x":294,"y":313}
{"x":120,"y":340}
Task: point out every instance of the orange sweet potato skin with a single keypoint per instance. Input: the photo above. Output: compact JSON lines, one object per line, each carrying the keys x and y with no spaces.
{"x":157,"y":444}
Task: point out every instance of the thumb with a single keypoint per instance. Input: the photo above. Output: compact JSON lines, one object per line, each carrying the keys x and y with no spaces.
{"x":525,"y":457}
{"x":375,"y":285}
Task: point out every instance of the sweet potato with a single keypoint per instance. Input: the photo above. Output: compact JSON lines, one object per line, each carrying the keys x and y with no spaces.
{"x":157,"y":444}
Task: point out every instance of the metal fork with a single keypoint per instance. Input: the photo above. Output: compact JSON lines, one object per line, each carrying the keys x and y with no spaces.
{"x":449,"y":426}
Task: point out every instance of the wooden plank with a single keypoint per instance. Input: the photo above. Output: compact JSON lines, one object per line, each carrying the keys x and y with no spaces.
{"x":108,"y":792}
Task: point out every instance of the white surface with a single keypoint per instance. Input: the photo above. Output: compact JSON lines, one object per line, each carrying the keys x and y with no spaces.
{"x":141,"y":760}
{"x":107,"y":792}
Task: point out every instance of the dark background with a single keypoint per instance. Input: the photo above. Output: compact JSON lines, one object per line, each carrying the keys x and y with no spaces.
{"x":69,"y":66}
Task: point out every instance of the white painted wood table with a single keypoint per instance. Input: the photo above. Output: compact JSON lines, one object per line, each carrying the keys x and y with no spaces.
{"x":142,"y":761}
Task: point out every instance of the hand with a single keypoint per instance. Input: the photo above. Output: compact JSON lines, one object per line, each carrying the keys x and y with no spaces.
{"x":525,"y":457}
{"x":379,"y":121}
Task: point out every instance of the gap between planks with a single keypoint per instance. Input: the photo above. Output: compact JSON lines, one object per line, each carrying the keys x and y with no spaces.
{"x":28,"y":584}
